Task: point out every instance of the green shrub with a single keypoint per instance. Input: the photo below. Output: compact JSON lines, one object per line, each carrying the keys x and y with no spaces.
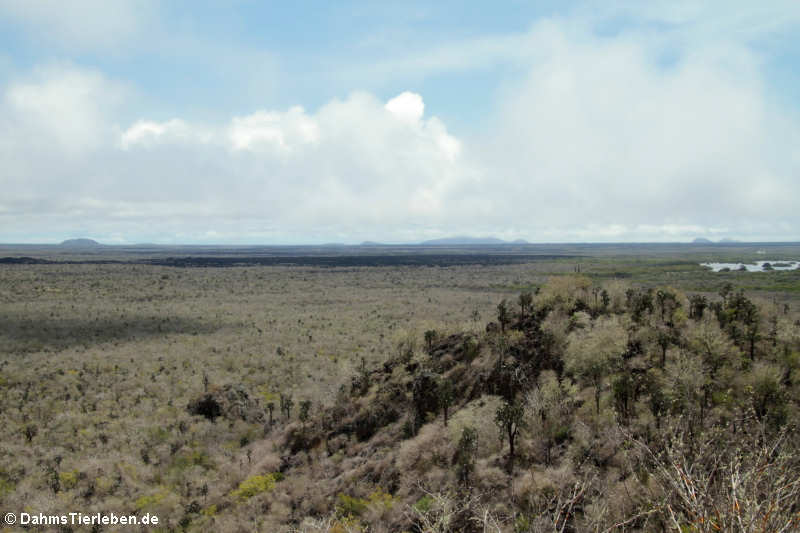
{"x":152,"y":499}
{"x":211,"y":510}
{"x":193,"y":458}
{"x":350,"y":505}
{"x":68,"y":479}
{"x":256,"y":485}
{"x":424,"y":504}
{"x":381,"y":498}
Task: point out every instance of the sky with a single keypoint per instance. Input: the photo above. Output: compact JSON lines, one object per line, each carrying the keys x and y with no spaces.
{"x":250,"y":122}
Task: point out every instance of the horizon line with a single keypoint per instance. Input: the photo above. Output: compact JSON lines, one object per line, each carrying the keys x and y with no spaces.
{"x":369,"y":243}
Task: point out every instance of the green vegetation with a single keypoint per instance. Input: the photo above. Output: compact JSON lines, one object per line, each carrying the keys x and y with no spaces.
{"x":256,"y":485}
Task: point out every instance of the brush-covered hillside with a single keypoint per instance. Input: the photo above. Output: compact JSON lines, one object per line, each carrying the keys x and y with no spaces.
{"x":579,"y":409}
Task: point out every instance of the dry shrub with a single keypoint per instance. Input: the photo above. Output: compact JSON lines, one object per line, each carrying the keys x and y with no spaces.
{"x":490,"y":478}
{"x":264,"y":458}
{"x":616,"y":294}
{"x":580,"y":320}
{"x":565,"y":291}
{"x":745,"y":485}
{"x":478,"y":414}
{"x":431,"y":447}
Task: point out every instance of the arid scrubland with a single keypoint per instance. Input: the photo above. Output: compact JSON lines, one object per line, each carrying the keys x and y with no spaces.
{"x":98,"y":363}
{"x":467,"y":398}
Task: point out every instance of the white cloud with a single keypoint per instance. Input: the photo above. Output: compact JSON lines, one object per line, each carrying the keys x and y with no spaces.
{"x":82,"y":24}
{"x":600,"y":140}
{"x":713,"y":20}
{"x":407,"y":106}
{"x":600,"y":133}
{"x":151,"y":133}
{"x":63,"y":107}
{"x":350,"y":166}
{"x":284,"y":132}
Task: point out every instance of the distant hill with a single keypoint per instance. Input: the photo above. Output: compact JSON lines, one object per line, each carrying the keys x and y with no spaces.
{"x":519,"y":241}
{"x":371,"y":243}
{"x":465,"y":240}
{"x":81,"y":243}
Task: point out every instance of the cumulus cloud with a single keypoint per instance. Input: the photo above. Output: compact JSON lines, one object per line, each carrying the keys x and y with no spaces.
{"x":53,"y":124}
{"x":284,"y":132}
{"x":148,"y":133}
{"x":601,"y":134}
{"x":352,"y":166}
{"x":601,"y":139}
{"x":406,"y":106}
{"x":62,"y":107}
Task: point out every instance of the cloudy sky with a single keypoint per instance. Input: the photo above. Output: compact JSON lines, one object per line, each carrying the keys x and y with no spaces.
{"x":306,"y":122}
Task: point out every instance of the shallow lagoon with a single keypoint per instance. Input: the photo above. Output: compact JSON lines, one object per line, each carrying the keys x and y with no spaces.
{"x":757,"y":266}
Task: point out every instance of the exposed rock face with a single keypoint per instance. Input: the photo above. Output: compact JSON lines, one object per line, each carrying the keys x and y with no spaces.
{"x":231,"y":402}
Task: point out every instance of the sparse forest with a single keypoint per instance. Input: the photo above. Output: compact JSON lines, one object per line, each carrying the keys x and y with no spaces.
{"x":506,"y":398}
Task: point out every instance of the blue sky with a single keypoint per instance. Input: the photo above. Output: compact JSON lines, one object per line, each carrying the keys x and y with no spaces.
{"x":222,"y":58}
{"x":256,"y":122}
